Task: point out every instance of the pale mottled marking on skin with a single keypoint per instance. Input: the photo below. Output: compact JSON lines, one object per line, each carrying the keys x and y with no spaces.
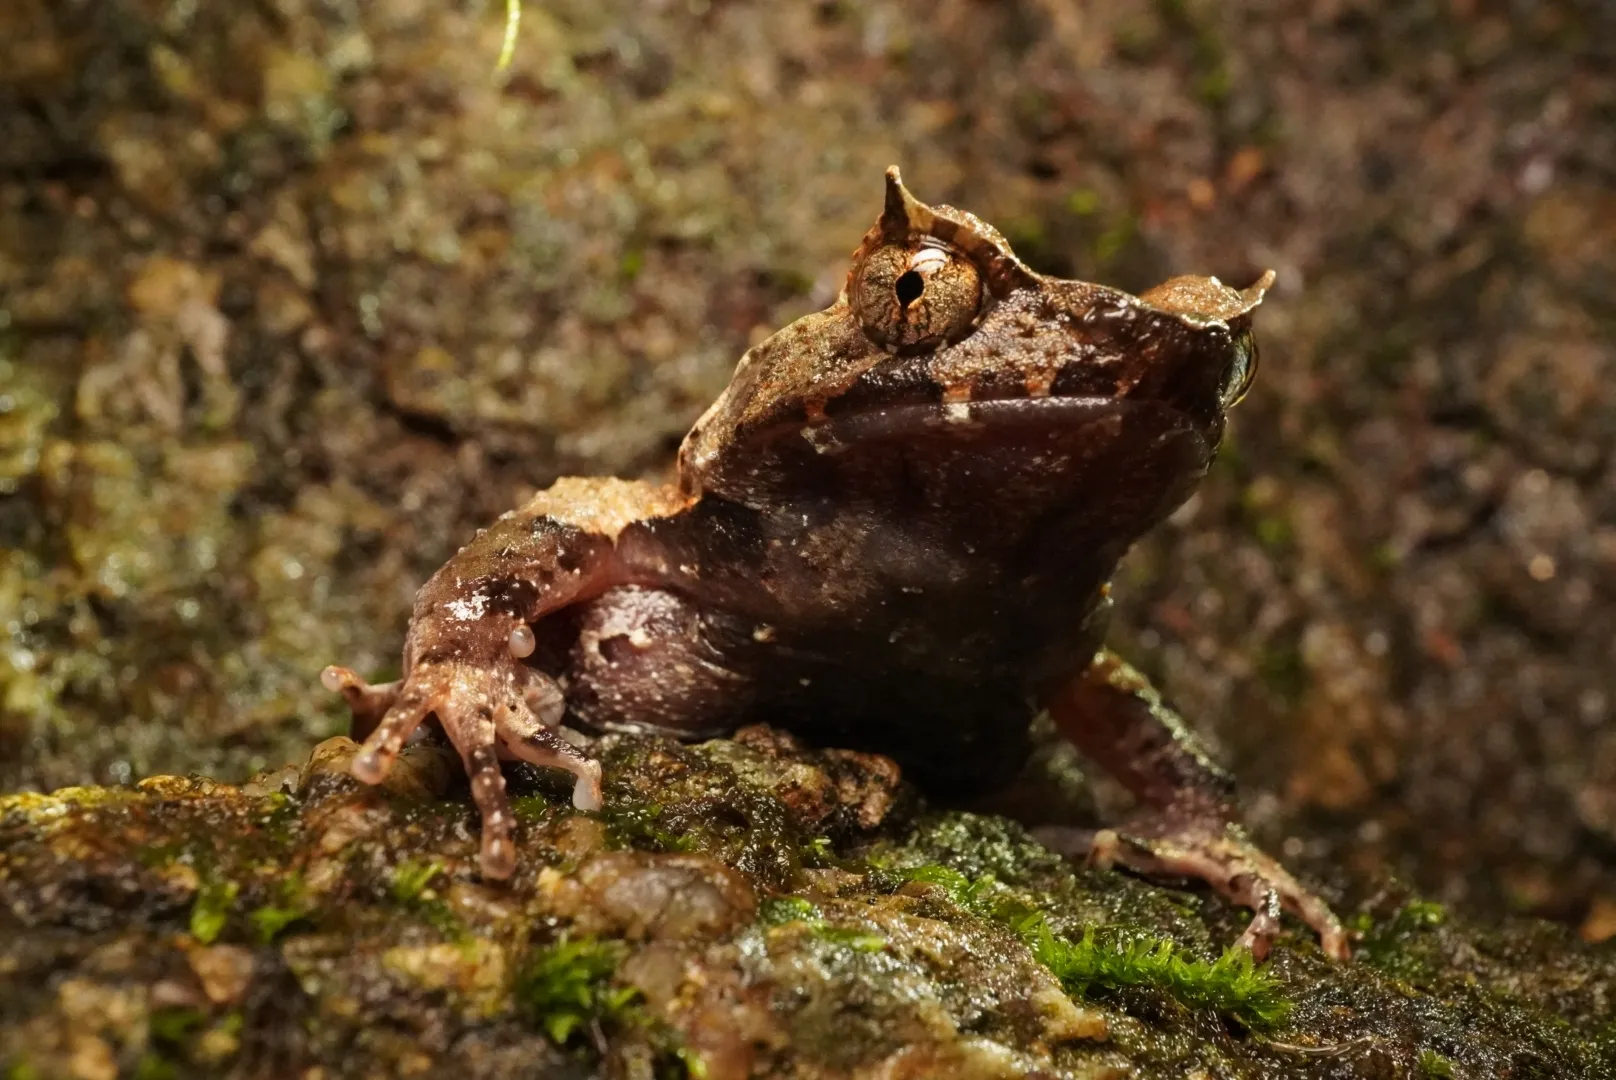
{"x":603,"y":505}
{"x":467,"y":608}
{"x":821,"y":440}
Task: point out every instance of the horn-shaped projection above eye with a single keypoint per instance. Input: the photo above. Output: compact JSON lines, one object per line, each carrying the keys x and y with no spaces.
{"x":922,"y":275}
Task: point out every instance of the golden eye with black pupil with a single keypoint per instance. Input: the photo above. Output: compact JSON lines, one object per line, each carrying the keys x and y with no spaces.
{"x":908,"y":296}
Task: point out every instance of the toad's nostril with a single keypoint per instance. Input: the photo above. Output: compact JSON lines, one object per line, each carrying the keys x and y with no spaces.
{"x":909,"y":287}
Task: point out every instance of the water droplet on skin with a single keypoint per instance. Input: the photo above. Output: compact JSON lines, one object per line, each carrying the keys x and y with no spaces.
{"x":523,"y":642}
{"x":367,"y":767}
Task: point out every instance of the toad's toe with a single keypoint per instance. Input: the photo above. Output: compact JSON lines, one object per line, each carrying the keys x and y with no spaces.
{"x":498,"y":858}
{"x":1234,"y":866}
{"x":368,"y":702}
{"x":485,"y":709}
{"x":528,"y":738}
{"x":381,"y":747}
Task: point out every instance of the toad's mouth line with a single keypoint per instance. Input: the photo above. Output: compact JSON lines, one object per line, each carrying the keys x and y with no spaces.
{"x":931,"y":419}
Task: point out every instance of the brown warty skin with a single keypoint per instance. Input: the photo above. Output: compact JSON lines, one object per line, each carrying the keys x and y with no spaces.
{"x":893,"y":530}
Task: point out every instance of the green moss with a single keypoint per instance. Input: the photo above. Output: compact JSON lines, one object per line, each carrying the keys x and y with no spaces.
{"x":1402,"y":946}
{"x":1420,"y":915}
{"x":210,"y":911}
{"x":1232,"y":985}
{"x":1199,"y":23}
{"x":173,"y":1026}
{"x":779,"y":910}
{"x":786,"y":910}
{"x":567,"y":986}
{"x":1214,"y":86}
{"x":280,"y":816}
{"x":1117,"y":958}
{"x":410,"y":887}
{"x":1083,"y":202}
{"x":975,"y":846}
{"x":1485,"y":999}
{"x":818,"y":852}
{"x":1384,"y":558}
{"x":531,"y":809}
{"x":169,"y":1032}
{"x":694,"y":1067}
{"x":154,"y":856}
{"x":410,"y":879}
{"x":631,"y":264}
{"x":153,"y":1066}
{"x":1275,"y":533}
{"x":1282,"y":671}
{"x":1116,"y":237}
{"x":1434,"y":1065}
{"x":291,"y":905}
{"x":635,"y":825}
{"x":716,"y":798}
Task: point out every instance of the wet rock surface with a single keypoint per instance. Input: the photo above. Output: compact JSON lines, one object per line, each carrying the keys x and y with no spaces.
{"x":711,"y":922}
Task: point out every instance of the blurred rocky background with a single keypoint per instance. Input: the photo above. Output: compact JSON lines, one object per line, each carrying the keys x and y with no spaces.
{"x":294,"y":294}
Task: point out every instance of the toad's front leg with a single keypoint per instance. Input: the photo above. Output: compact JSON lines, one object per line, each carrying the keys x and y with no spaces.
{"x":469,"y":634}
{"x":1186,"y":828}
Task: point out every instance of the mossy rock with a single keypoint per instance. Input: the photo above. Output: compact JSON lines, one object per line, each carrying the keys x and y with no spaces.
{"x":744,"y":907}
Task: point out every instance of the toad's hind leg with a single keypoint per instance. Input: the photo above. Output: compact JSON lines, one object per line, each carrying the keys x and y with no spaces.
{"x":1186,"y":827}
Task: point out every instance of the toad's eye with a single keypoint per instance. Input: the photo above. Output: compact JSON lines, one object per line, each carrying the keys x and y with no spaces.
{"x":1242,"y":368}
{"x":914,"y":296}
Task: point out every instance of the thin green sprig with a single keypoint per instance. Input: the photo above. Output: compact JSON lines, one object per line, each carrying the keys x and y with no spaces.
{"x":507,"y":48}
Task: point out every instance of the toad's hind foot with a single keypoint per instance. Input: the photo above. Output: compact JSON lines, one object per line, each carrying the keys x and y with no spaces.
{"x":1112,"y":713}
{"x":1225,"y":859}
{"x":487,"y":711}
